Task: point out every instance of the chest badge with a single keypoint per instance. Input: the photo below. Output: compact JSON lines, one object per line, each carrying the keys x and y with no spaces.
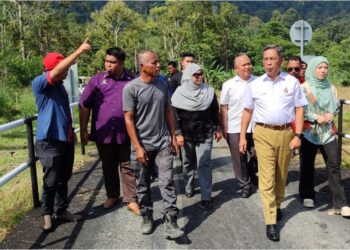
{"x":104,"y":82}
{"x":285,"y":91}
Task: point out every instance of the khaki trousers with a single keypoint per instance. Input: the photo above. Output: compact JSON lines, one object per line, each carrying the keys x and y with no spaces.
{"x":273,"y":152}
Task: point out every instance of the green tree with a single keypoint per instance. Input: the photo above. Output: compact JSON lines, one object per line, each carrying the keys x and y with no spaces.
{"x":338,"y":56}
{"x":114,"y":25}
{"x":289,"y":17}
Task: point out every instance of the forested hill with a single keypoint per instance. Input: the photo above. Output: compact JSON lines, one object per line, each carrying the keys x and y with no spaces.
{"x":214,"y":31}
{"x":316,"y":12}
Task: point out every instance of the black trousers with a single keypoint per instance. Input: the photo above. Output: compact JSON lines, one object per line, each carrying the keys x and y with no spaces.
{"x":57,"y":159}
{"x":308,"y":153}
{"x":114,"y":156}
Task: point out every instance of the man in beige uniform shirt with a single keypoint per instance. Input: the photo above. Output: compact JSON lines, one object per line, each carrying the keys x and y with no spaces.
{"x":277,"y":100}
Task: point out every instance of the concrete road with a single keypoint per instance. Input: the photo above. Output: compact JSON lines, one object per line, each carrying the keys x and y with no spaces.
{"x":233,"y":223}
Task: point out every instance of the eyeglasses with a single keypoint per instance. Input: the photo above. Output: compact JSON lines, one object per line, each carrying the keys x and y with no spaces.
{"x":296,"y":69}
{"x":197,"y":75}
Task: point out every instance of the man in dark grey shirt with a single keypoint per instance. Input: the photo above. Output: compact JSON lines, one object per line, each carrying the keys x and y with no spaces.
{"x":150,"y":125}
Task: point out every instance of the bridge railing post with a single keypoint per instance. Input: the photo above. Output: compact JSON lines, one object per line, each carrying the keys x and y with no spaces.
{"x":340,"y":130}
{"x":32,"y":160}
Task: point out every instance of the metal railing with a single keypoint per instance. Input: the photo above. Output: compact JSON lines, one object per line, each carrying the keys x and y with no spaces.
{"x":31,"y":163}
{"x":340,"y":128}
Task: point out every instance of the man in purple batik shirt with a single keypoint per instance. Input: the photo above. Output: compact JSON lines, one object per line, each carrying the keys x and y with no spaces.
{"x":103,"y":96}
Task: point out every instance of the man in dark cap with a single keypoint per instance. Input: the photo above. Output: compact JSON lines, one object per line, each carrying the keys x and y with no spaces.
{"x":55,"y":135}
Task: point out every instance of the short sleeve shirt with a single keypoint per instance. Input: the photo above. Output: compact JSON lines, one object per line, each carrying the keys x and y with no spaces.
{"x":54,"y":117}
{"x":274,"y":102}
{"x":148,"y":102}
{"x":103,"y":95}
{"x":232,"y":94}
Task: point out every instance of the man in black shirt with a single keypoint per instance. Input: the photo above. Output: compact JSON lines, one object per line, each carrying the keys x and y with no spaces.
{"x":175,"y":79}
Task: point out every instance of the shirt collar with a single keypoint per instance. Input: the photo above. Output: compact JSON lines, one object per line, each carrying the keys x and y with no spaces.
{"x":281,"y":76}
{"x":238,"y":79}
{"x":124,"y":77}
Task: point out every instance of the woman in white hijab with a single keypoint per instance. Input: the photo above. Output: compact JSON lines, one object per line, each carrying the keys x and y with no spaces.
{"x":197,"y":118}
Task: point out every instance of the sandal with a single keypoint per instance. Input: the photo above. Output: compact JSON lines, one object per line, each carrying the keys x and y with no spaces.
{"x":46,"y":223}
{"x":334,"y":211}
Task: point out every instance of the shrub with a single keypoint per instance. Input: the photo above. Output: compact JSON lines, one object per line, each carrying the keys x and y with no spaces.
{"x":16,"y":103}
{"x":215,"y":75}
{"x":22,"y":72}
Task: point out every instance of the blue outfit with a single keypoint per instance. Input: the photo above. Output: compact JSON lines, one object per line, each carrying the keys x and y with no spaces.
{"x":54,"y":118}
{"x":54,"y":142}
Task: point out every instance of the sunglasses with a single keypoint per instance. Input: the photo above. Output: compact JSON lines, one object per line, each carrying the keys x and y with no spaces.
{"x":296,"y":69}
{"x":197,"y":75}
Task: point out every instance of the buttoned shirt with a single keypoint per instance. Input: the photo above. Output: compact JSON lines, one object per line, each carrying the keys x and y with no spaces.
{"x":103,"y":95}
{"x":54,"y":117}
{"x":232,"y":94}
{"x":274,"y":101}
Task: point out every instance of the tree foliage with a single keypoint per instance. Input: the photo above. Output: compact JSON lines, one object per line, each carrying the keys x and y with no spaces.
{"x":213,"y":31}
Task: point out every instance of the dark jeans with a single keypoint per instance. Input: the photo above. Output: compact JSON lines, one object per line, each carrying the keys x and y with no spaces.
{"x":113,"y":155}
{"x":57,"y":159}
{"x":245,"y":166}
{"x":161,"y":160}
{"x":308,"y":153}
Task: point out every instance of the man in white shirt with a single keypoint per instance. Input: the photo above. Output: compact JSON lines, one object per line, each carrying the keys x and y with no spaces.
{"x":277,"y":100}
{"x":231,"y":108}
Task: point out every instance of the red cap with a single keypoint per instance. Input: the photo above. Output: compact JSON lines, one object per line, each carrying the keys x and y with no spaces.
{"x":51,"y":60}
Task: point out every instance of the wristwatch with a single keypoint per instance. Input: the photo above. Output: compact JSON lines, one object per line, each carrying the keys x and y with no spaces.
{"x":299,"y":135}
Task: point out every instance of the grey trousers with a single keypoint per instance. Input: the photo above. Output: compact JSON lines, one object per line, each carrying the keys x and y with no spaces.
{"x":198,"y":156}
{"x":161,"y":160}
{"x":241,"y":162}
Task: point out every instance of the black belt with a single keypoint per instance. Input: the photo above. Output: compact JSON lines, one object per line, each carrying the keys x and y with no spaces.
{"x":274,"y":127}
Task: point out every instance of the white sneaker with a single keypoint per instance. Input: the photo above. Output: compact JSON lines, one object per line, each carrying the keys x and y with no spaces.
{"x":309,"y":203}
{"x":345,"y":211}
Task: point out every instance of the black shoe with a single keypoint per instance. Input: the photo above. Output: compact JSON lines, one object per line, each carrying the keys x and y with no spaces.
{"x":147,"y":224}
{"x":279,"y":214}
{"x":271,"y":232}
{"x":189,"y":194}
{"x":172,"y":230}
{"x":68,"y":217}
{"x":207,"y":205}
{"x":246,"y":193}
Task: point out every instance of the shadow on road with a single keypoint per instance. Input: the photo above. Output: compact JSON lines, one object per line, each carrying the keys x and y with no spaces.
{"x":196,"y":215}
{"x":39,"y":242}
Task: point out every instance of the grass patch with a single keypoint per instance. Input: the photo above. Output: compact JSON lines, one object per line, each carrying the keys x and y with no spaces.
{"x":344,"y":93}
{"x":16,"y":195}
